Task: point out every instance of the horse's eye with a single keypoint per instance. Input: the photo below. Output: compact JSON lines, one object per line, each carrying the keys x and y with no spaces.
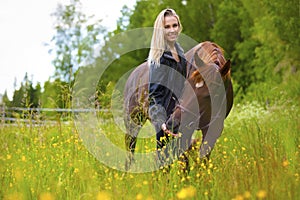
{"x":217,"y":63}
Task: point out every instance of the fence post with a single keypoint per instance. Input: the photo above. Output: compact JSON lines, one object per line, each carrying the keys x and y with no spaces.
{"x":3,"y":114}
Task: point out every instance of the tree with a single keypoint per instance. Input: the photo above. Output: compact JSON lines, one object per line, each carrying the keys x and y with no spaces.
{"x":18,"y":97}
{"x":54,"y":95}
{"x":198,"y":18}
{"x":226,"y":30}
{"x":74,"y":42}
{"x":35,"y":95}
{"x":5,"y":99}
{"x":76,"y":37}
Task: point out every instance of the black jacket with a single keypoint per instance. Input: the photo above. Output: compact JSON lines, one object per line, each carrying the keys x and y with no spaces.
{"x":166,"y":83}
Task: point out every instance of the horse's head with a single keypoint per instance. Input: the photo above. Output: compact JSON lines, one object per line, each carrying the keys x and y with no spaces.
{"x":209,"y":73}
{"x":209,"y":58}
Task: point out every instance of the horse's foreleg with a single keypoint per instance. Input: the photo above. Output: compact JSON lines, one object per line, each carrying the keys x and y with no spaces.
{"x":203,"y":158}
{"x":132,"y":128}
{"x":130,"y":143}
{"x":184,"y":163}
{"x":184,"y":147}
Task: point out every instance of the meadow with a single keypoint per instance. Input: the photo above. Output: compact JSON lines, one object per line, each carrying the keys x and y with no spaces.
{"x":257,"y":157}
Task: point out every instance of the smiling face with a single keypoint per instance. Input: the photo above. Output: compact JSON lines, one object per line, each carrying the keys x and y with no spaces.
{"x":171,"y":28}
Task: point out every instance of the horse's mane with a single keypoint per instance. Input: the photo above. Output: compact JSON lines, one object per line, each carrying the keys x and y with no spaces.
{"x":210,"y":52}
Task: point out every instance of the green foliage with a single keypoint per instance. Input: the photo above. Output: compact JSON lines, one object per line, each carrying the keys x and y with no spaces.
{"x":145,"y":13}
{"x":260,"y":37}
{"x":55,"y":95}
{"x":104,"y":98}
{"x":226,"y":30}
{"x":5,"y":100}
{"x":26,"y":96}
{"x":261,"y":44}
{"x":276,"y":92}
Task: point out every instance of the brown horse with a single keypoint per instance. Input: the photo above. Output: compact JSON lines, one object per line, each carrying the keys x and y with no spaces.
{"x":206,"y":101}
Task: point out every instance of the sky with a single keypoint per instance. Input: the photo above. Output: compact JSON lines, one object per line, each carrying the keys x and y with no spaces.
{"x":25,"y":28}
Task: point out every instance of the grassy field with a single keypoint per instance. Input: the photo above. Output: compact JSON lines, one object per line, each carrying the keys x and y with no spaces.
{"x":257,"y":157}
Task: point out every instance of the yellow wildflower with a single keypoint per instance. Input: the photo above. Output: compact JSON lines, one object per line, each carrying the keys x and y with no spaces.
{"x":76,"y":170}
{"x":261,"y":194}
{"x":23,"y":158}
{"x":285,"y":163}
{"x":187,"y":192}
{"x":8,"y":157}
{"x":139,"y":197}
{"x":247,"y":195}
{"x":46,"y":196}
{"x":239,"y":197}
{"x":102,"y":195}
{"x":145,"y":182}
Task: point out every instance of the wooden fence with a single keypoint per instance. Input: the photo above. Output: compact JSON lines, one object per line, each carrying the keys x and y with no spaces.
{"x":37,"y":115}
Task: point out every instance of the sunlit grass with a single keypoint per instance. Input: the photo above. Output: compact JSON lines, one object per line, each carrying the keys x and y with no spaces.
{"x":257,"y":157}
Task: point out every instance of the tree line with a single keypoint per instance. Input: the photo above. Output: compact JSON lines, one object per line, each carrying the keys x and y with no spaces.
{"x":260,"y":37}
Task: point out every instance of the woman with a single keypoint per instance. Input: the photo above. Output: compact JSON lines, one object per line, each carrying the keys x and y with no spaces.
{"x":167,"y":73}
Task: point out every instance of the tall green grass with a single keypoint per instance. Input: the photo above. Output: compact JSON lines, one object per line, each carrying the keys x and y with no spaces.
{"x":257,"y":157}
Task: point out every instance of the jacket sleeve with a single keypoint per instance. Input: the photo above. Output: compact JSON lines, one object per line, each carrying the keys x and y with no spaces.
{"x":158,"y":76}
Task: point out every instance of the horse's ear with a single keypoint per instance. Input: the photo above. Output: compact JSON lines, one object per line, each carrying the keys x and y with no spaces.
{"x":199,"y":62}
{"x":226,"y":68}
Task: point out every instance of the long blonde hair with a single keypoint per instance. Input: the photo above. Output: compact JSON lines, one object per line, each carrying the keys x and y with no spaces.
{"x":158,"y":42}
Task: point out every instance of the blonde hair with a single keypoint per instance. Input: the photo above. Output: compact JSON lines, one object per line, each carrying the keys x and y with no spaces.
{"x":158,"y":42}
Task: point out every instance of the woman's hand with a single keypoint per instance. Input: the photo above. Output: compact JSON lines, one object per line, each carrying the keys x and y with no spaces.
{"x":167,"y":131}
